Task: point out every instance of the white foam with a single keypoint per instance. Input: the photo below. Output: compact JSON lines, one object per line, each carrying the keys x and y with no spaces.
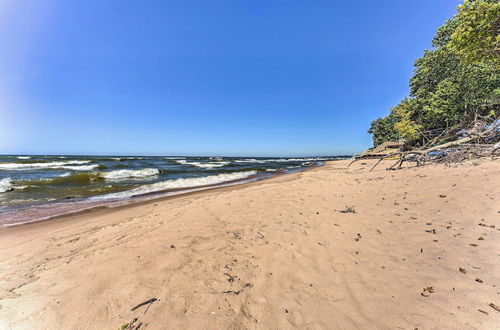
{"x":209,"y":165}
{"x":27,"y":166}
{"x":77,"y":168}
{"x":260,"y":161}
{"x":202,"y":165}
{"x":178,"y":183}
{"x":5,"y":185}
{"x":279,"y":160}
{"x":64,"y":174}
{"x":23,"y":157}
{"x":122,"y":174}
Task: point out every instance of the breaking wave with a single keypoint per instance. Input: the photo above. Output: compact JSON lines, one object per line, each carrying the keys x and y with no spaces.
{"x":54,"y":165}
{"x":66,"y":178}
{"x":123,"y":174}
{"x":178,"y":183}
{"x":5,"y":185}
{"x":89,"y":177}
{"x":279,"y":160}
{"x":202,"y":165}
{"x":78,"y":168}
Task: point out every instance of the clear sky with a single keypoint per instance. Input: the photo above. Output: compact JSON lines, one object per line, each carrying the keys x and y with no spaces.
{"x":234,"y":77}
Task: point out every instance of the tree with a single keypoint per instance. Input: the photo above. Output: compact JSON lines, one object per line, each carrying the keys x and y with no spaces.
{"x":383,"y":130}
{"x":476,"y":37}
{"x":453,"y":82}
{"x":405,"y":126}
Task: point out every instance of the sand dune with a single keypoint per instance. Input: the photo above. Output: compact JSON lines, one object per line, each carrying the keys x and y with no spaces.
{"x":279,"y":254}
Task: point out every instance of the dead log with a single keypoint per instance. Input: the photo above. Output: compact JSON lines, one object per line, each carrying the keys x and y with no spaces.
{"x":483,"y":141}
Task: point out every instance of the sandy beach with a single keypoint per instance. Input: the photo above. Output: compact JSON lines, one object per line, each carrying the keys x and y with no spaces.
{"x":329,"y":248}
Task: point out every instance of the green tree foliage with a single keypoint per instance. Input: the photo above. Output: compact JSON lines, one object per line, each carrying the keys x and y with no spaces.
{"x":450,"y":85}
{"x":382,"y":130}
{"x":405,"y":126}
{"x":476,"y":36}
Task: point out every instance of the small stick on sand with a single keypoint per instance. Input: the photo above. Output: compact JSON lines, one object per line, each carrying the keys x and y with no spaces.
{"x":233,"y":292}
{"x":150,"y":301}
{"x":495,"y":307}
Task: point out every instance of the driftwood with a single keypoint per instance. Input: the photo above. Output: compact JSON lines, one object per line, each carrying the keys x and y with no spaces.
{"x":483,"y":140}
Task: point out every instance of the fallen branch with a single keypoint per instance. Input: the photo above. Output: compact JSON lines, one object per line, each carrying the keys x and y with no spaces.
{"x":483,"y":141}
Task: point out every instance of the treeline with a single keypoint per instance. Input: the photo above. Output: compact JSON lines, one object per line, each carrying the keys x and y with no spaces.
{"x":453,"y":83}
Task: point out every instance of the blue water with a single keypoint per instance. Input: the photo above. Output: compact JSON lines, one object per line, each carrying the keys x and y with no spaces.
{"x":27,"y":181}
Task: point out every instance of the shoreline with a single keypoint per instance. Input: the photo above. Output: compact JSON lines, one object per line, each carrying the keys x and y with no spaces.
{"x":86,"y":206}
{"x":137,"y":202}
{"x":328,"y":247}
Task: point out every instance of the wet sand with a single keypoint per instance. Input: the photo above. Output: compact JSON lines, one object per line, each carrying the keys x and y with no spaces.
{"x":333,"y":247}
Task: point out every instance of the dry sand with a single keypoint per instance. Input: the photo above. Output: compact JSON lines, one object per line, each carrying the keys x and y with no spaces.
{"x":277,"y":254}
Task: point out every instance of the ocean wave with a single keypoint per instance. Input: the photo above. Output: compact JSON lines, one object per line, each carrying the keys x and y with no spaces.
{"x":279,"y":160}
{"x":23,"y":157}
{"x":66,"y":178}
{"x":114,"y":159}
{"x":85,"y":178}
{"x":122,"y":174}
{"x":178,"y":184}
{"x":30,"y":165}
{"x":212,"y":171}
{"x":6,"y":185}
{"x":202,"y":165}
{"x":78,"y":168}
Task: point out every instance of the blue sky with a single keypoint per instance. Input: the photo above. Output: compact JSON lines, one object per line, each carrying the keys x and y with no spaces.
{"x":269,"y":78}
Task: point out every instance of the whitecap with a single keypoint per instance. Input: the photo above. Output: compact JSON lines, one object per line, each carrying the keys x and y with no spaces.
{"x":279,"y":160}
{"x":77,"y":167}
{"x":25,"y":166}
{"x":178,"y":183}
{"x":202,"y":165}
{"x":122,"y":174}
{"x":5,"y":185}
